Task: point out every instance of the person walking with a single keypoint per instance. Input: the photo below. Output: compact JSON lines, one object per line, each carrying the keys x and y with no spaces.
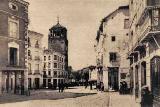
{"x":147,"y":98}
{"x":59,"y":87}
{"x":62,"y":87}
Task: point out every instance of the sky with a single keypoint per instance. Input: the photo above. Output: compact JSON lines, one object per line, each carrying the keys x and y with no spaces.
{"x":81,"y":18}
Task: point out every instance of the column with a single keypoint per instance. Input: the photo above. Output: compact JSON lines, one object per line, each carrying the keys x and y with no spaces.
{"x":8,"y":82}
{"x":15,"y":82}
{"x":98,"y":76}
{"x":148,"y":73}
{"x":105,"y":79}
{"x":1,"y":82}
{"x":139,"y":81}
{"x":25,"y":80}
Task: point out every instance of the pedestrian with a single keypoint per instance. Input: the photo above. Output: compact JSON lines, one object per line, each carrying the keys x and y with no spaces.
{"x":90,"y":85}
{"x":102,"y":86}
{"x":86,"y":84}
{"x":59,"y":87}
{"x":147,"y":98}
{"x":62,"y":87}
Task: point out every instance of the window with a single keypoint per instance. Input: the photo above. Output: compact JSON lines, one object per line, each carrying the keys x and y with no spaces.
{"x":55,"y":73}
{"x":156,"y":17}
{"x":49,"y":72}
{"x":58,"y":58}
{"x":37,"y":44}
{"x":62,"y":59}
{"x":49,"y":65}
{"x":13,"y":6}
{"x":29,"y":42}
{"x":29,"y":68}
{"x":55,"y":57}
{"x":123,"y":75}
{"x":29,"y":53}
{"x":49,"y":57}
{"x":13,"y":28}
{"x":37,"y":67}
{"x":55,"y":65}
{"x":44,"y":65}
{"x":113,"y":38}
{"x":113,"y":56}
{"x":126,"y":23}
{"x":13,"y":56}
{"x":44,"y":58}
{"x":44,"y":72}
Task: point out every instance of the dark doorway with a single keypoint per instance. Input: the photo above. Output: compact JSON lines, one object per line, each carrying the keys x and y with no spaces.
{"x":155,"y":80}
{"x":113,"y":78}
{"x":29,"y":83}
{"x":54,"y":83}
{"x":49,"y":84}
{"x":44,"y":83}
{"x":37,"y":81}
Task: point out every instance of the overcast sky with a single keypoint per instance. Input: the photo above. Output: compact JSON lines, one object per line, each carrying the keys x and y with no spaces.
{"x":80,"y":17}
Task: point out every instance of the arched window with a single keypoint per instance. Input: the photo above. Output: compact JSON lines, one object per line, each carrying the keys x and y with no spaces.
{"x":29,"y":53}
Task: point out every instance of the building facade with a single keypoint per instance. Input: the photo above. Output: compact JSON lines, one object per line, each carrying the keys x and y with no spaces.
{"x":112,"y":40}
{"x":53,"y":69}
{"x":35,"y":58}
{"x":57,"y":41}
{"x":13,"y":41}
{"x":144,"y":47}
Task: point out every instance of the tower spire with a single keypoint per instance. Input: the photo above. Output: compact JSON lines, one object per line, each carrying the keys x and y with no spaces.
{"x":57,"y":19}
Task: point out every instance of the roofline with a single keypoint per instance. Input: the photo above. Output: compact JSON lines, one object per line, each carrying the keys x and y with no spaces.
{"x":31,"y":31}
{"x":119,"y":8}
{"x":104,"y":19}
{"x":22,"y":2}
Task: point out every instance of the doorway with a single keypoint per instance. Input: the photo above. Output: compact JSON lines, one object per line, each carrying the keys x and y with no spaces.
{"x":37,"y":81}
{"x":113,"y":78}
{"x":155,"y":80}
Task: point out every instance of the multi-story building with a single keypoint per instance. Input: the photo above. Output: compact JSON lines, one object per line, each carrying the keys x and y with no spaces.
{"x":53,"y":69}
{"x":35,"y":57}
{"x":13,"y":45}
{"x":144,"y":47}
{"x":57,"y":41}
{"x":56,"y":57}
{"x":112,"y":48}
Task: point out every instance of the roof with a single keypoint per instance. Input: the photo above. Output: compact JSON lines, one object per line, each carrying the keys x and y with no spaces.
{"x":34,"y":32}
{"x":108,"y":16}
{"x":106,"y":19}
{"x":58,"y":26}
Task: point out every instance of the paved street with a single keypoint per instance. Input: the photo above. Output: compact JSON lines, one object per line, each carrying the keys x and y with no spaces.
{"x":74,"y":97}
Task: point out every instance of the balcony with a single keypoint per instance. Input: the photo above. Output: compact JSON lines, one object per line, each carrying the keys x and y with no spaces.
{"x":30,"y":57}
{"x":44,"y":76}
{"x":36,"y":72}
{"x":153,"y":2}
{"x":115,"y":63}
{"x":55,"y":76}
{"x":37,"y":58}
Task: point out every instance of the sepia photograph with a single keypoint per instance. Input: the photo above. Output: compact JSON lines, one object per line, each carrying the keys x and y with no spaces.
{"x":79,"y":53}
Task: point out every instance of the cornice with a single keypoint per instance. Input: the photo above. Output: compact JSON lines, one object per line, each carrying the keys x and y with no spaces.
{"x":22,"y":2}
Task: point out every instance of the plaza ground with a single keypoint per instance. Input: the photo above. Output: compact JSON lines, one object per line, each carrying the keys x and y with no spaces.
{"x":73,"y":97}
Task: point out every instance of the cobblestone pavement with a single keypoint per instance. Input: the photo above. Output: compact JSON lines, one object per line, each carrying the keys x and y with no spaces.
{"x":100,"y":99}
{"x":116,"y":100}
